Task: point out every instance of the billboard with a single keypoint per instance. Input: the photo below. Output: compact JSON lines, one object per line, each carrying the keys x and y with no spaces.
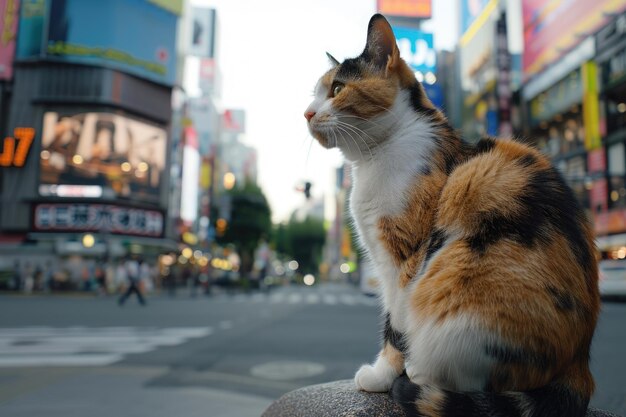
{"x":201,"y":36}
{"x":417,"y":49}
{"x":123,"y":156}
{"x":553,"y":28}
{"x":134,"y":36}
{"x":9,"y":16}
{"x":422,"y":9}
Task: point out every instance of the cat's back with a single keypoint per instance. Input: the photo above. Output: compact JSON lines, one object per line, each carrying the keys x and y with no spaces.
{"x":506,"y":190}
{"x":516,"y":255}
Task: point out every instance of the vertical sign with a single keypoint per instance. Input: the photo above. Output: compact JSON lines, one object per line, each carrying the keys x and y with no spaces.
{"x":503,"y":89}
{"x":591,"y":106}
{"x":9,"y":16}
{"x":201,"y":37}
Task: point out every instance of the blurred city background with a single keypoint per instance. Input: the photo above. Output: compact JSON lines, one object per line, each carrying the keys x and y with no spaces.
{"x":157,"y":149}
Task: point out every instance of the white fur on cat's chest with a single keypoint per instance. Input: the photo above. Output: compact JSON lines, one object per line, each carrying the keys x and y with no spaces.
{"x":376,"y":195}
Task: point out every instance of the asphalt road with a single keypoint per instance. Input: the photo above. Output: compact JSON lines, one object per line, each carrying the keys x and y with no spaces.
{"x":208,"y":356}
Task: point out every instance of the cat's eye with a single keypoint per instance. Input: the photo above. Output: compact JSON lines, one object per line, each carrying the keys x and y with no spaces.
{"x":337,"y":89}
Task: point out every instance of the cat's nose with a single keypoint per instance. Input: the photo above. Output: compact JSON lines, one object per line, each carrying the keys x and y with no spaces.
{"x":309,"y":115}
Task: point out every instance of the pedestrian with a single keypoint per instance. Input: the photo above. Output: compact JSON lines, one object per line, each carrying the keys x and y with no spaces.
{"x":29,"y":279}
{"x":133,"y":268}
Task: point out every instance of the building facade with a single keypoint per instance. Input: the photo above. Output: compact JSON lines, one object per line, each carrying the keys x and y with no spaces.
{"x":85,"y":174}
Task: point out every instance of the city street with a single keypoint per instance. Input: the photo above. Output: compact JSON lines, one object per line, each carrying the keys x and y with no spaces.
{"x":224,"y":355}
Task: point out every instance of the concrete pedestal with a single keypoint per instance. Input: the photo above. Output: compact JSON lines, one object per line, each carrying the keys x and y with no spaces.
{"x":341,"y":398}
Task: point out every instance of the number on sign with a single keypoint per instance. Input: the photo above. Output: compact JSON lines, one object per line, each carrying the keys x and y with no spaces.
{"x":15,"y":154}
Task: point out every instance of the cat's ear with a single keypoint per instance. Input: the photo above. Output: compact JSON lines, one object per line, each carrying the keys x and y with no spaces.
{"x":381,"y":48}
{"x":332,"y":60}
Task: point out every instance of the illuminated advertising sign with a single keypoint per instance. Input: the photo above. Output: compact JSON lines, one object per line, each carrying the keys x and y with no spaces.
{"x":134,"y":36}
{"x":553,"y":28}
{"x":422,"y":9}
{"x":15,"y":149}
{"x":104,"y":218}
{"x":123,"y":156}
{"x":417,"y":49}
{"x":9,"y":16}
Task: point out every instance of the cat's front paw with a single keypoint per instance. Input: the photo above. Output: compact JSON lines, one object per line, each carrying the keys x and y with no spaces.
{"x":370,"y":379}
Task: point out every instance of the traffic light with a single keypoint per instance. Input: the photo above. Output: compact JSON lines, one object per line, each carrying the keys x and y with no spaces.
{"x":307,"y":190}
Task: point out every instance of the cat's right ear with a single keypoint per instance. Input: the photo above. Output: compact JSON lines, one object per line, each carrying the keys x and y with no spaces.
{"x":381,"y":48}
{"x":332,"y":60}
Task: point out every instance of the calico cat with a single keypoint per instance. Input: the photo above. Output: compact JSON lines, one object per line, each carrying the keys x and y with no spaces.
{"x":487,"y":262}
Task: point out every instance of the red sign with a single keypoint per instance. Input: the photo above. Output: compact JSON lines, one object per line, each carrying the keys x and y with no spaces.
{"x":599,"y":196}
{"x":551,"y":28}
{"x":611,"y":222}
{"x":596,"y":160}
{"x":406,"y":8}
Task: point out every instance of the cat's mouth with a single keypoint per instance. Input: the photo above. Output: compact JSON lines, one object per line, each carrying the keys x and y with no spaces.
{"x":323,"y":135}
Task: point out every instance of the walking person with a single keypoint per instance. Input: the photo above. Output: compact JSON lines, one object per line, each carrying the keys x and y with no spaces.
{"x":132,"y":268}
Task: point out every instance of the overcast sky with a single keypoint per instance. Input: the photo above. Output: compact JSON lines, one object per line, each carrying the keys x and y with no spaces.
{"x":271,"y":53}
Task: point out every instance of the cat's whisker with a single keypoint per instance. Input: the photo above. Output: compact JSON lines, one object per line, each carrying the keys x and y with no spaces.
{"x":353,"y":140}
{"x":346,"y":126}
{"x":359,"y":131}
{"x":342,"y":129}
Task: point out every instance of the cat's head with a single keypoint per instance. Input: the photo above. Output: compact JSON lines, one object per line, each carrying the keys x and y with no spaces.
{"x":359,"y":102}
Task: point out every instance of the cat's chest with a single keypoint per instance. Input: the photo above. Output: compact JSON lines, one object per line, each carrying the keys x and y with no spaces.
{"x":373,"y":197}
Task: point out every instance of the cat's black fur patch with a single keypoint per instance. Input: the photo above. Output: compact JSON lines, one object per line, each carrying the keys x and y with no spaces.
{"x":562,"y":300}
{"x":437,"y":238}
{"x":349,"y":69}
{"x":484,"y":145}
{"x":405,"y":392}
{"x":495,"y":226}
{"x":394,"y":337}
{"x":547,"y":203}
{"x":557,"y":400}
{"x":516,"y":355}
{"x":527,"y":160}
{"x":417,"y":97}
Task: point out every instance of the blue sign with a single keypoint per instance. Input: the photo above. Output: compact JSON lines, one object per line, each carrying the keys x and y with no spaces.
{"x":134,"y":36}
{"x":417,"y":49}
{"x":434,"y":93}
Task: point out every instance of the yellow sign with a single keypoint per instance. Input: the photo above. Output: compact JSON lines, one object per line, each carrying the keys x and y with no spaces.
{"x":591,"y":106}
{"x":15,"y":149}
{"x":406,"y":8}
{"x":174,"y":6}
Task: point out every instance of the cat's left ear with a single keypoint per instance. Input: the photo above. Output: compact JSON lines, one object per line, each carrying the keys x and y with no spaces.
{"x":381,"y":48}
{"x":332,"y":60}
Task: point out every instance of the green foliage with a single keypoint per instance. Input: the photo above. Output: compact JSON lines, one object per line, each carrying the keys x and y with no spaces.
{"x":250,"y":220}
{"x":302,"y":241}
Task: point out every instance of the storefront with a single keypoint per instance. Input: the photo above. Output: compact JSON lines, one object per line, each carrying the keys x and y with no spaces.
{"x":611,"y":58}
{"x":557,"y":126}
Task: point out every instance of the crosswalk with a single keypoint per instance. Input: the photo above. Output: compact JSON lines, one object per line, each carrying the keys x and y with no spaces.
{"x":300,"y":297}
{"x":85,"y":346}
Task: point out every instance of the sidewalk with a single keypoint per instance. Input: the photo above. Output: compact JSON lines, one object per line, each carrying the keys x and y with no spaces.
{"x":113,"y":391}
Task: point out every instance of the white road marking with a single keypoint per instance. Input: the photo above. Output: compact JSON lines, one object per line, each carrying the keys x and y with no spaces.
{"x":83,"y":346}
